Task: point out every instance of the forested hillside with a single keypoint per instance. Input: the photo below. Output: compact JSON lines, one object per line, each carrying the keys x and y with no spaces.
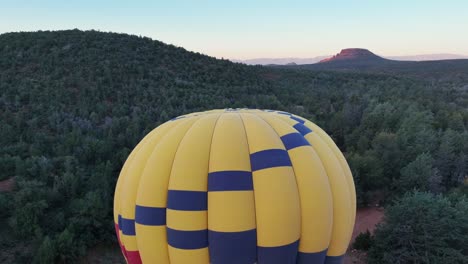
{"x":73,"y":104}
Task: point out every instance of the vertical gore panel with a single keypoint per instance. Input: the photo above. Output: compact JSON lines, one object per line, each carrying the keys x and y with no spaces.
{"x":231,"y":206}
{"x":130,"y":187}
{"x":314,"y":190}
{"x":152,"y":196}
{"x":316,"y":200}
{"x":276,"y":196}
{"x":187,"y":225}
{"x":229,"y":148}
{"x":117,"y":198}
{"x":341,"y":196}
{"x":344,"y":165}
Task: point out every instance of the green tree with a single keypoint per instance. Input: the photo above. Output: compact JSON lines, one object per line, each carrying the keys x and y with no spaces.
{"x":46,"y":253}
{"x":369,"y":171}
{"x":66,"y":246}
{"x":6,"y":204}
{"x":386,"y":149}
{"x":416,"y":134}
{"x":422,"y":228}
{"x":416,"y":174}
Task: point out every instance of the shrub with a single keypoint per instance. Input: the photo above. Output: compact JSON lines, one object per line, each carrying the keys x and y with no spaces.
{"x":363,"y":241}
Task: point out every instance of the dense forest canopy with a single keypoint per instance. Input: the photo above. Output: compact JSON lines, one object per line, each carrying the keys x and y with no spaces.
{"x":73,"y":104}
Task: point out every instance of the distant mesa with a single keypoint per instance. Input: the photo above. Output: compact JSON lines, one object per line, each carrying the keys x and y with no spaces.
{"x":362,"y":60}
{"x":350,"y":56}
{"x":354,"y":54}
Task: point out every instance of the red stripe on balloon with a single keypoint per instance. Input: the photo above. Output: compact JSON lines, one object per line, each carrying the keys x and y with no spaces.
{"x":133,"y":257}
{"x":122,"y":248}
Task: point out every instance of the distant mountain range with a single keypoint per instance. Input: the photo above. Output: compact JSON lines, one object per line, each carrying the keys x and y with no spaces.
{"x":362,"y":60}
{"x":282,"y":61}
{"x":312,"y":60}
{"x":429,"y":57}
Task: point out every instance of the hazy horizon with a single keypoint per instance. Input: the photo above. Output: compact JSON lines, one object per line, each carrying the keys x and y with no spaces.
{"x":382,"y":55}
{"x":265,"y":29}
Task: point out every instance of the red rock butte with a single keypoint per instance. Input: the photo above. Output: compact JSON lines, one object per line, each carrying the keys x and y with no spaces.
{"x":353,"y":54}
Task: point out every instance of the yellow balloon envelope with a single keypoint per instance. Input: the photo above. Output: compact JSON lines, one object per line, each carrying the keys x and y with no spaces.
{"x":235,"y":186}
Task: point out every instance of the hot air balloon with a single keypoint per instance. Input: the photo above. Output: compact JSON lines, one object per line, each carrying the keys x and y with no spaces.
{"x":235,"y":186}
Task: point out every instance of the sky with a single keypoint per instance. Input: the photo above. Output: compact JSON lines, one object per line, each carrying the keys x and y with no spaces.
{"x":243,"y":29}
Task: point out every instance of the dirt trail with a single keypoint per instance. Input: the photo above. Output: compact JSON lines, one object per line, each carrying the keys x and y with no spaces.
{"x":7,"y":185}
{"x":366,"y":219}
